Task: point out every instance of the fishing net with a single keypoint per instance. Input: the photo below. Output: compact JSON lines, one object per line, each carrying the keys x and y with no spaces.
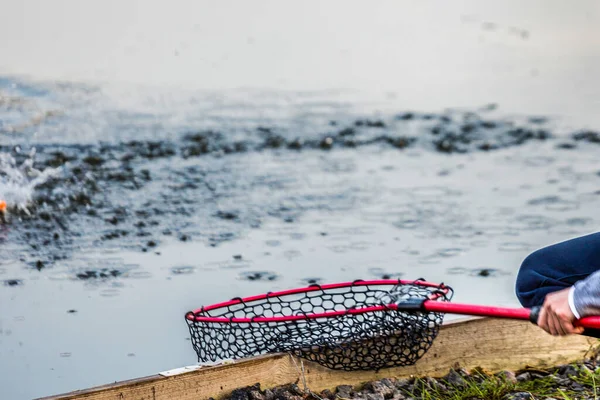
{"x":360,"y":325}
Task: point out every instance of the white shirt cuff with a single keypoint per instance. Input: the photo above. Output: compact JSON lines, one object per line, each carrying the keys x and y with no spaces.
{"x":572,"y":303}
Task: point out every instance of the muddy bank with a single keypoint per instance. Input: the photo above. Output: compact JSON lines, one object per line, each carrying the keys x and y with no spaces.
{"x":571,"y":381}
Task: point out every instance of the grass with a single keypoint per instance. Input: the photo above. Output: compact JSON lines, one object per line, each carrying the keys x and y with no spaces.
{"x":480,"y":385}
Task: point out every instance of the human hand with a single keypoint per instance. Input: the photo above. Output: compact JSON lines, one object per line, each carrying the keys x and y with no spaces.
{"x":556,"y":316}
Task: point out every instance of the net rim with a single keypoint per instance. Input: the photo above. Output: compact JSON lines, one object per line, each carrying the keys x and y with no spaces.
{"x":193,"y":316}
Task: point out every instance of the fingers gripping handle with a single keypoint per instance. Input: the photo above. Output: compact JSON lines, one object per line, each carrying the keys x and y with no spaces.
{"x":591,"y":324}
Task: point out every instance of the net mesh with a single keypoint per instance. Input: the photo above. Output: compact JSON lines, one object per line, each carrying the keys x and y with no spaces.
{"x":351,"y":341}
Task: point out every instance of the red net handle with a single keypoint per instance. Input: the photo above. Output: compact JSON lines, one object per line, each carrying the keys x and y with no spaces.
{"x":499,"y":312}
{"x":192,"y":316}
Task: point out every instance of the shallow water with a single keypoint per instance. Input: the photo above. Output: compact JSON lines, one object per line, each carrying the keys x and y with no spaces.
{"x":152,"y":199}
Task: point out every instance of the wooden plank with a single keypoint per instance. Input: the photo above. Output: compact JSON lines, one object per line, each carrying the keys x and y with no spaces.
{"x":493,"y":344}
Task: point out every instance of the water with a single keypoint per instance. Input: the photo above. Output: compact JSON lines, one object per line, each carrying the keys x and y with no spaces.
{"x":149,"y":174}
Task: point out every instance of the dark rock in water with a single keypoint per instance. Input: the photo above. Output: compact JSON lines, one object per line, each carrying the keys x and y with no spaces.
{"x":237,"y":257}
{"x":489,"y":107}
{"x":228,"y":215}
{"x":183,"y":270}
{"x":484,"y":272}
{"x":45,"y":216}
{"x":466,"y":128}
{"x":81,"y":199}
{"x":58,"y":159}
{"x":521,"y":135}
{"x":114,"y":234}
{"x":587,"y":136}
{"x":94,"y":160}
{"x":240,"y":147}
{"x":151,"y":243}
{"x":216,"y":239}
{"x":296,"y":144}
{"x":406,"y":116}
{"x":13,"y":282}
{"x":274,"y":142}
{"x":446,"y":146}
{"x":401,"y":142}
{"x":369,"y":123}
{"x":127,"y":157}
{"x":259,"y":276}
{"x":544,"y":200}
{"x":103,"y":273}
{"x":312,"y":281}
{"x":347,"y":132}
{"x":71,"y":311}
{"x":566,"y":146}
{"x":538,"y":120}
{"x":326,"y":143}
{"x":152,"y":150}
{"x":87,"y":275}
{"x":488,"y":124}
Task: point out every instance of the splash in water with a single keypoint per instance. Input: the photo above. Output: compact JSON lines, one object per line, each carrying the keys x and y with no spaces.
{"x":18,"y":181}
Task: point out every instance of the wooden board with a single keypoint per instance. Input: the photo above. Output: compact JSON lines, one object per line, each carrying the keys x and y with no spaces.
{"x":493,"y":344}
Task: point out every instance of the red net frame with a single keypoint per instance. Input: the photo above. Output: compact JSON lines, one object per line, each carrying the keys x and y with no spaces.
{"x":351,"y":325}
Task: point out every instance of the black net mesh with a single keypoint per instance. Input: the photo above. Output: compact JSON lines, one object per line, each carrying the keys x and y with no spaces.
{"x":361,"y":341}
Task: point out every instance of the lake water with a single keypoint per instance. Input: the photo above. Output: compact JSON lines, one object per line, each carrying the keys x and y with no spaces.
{"x":158,"y":158}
